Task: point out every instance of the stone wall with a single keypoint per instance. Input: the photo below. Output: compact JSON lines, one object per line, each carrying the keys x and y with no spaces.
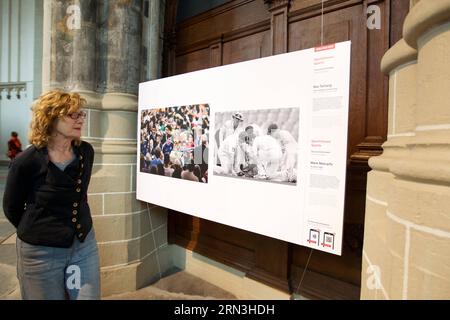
{"x":407,"y":231}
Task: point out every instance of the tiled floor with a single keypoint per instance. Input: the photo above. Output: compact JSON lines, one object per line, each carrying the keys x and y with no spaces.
{"x":180,"y":285}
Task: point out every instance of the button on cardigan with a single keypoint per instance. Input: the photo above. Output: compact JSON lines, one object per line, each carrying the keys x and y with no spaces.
{"x":49,"y":206}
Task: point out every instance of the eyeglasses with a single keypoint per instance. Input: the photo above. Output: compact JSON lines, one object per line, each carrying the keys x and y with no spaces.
{"x":77,"y":115}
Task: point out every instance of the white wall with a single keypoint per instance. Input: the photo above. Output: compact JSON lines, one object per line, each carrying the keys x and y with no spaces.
{"x":20,"y":62}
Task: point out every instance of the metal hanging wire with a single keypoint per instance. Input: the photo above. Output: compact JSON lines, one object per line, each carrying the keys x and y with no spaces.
{"x":311,"y":251}
{"x":296,"y":292}
{"x":321,"y":25}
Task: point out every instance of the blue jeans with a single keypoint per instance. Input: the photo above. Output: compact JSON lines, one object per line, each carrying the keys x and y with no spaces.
{"x":50,"y":273}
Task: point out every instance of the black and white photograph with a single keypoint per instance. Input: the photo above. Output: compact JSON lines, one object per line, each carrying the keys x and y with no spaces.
{"x":257,"y":145}
{"x":174,"y":142}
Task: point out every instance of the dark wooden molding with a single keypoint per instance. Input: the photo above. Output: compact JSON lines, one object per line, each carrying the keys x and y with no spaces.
{"x":279,"y":25}
{"x":169,"y":38}
{"x":250,"y":261}
{"x":226,"y":37}
{"x":261,"y":275}
{"x":247,"y":31}
{"x":316,"y":9}
{"x":376,"y":109}
{"x":231,"y":5}
{"x":368,"y":148}
{"x":277,"y":4}
{"x":317,"y":286}
{"x":398,"y":12}
{"x":196,"y":46}
{"x":216,"y":53}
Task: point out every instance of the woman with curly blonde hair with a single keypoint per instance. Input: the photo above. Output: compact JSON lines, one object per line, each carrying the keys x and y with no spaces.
{"x":46,"y":200}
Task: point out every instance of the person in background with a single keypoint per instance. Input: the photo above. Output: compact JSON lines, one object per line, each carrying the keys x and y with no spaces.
{"x":14,"y":147}
{"x":188,"y":173}
{"x":167,"y":167}
{"x":234,"y":126}
{"x":158,"y":157}
{"x":167,"y":148}
{"x":231,"y":154}
{"x":46,"y":200}
{"x":288,"y":162}
{"x":177,"y":170}
{"x":198,"y":172}
{"x":160,"y":169}
{"x":268,"y":154}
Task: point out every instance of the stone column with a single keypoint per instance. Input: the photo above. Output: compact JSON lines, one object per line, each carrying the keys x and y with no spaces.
{"x":152,"y":35}
{"x":102,"y":60}
{"x":383,"y":252}
{"x":69,"y":45}
{"x":407,"y":236}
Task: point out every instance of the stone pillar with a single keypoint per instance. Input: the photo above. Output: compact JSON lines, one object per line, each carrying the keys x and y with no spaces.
{"x":102,"y":60}
{"x":407,"y":232}
{"x":69,"y":45}
{"x":383,"y":252}
{"x":152,"y":35}
{"x":120,"y":30}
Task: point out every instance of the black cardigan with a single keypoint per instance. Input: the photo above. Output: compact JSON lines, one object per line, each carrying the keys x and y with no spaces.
{"x":46,"y":205}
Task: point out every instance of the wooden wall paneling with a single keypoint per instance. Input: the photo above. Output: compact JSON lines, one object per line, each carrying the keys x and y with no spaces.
{"x":279,"y":24}
{"x":271,"y":262}
{"x":234,"y":15}
{"x":210,"y":236}
{"x":216,"y":54}
{"x":397,"y":13}
{"x":255,"y":28}
{"x":228,"y":23}
{"x":279,"y":31}
{"x":246,"y":48}
{"x":304,"y":9}
{"x":193,"y":61}
{"x":250,"y":42}
{"x":241,"y":30}
{"x":376,"y":99}
{"x":169,"y":38}
{"x":375,"y":126}
{"x":340,"y":23}
{"x":225,"y":244}
{"x":317,"y":282}
{"x":237,"y":237}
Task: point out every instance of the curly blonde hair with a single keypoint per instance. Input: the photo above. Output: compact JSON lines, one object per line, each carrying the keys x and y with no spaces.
{"x":49,"y":107}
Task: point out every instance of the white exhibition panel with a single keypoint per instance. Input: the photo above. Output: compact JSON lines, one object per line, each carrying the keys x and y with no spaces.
{"x":309,"y":212}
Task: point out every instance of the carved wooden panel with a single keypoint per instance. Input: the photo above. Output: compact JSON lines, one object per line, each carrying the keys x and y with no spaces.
{"x":241,"y":30}
{"x":246,"y":48}
{"x":192,"y":61}
{"x":216,"y":54}
{"x":279,"y":10}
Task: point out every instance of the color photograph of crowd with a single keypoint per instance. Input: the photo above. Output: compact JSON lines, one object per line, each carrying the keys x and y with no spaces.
{"x":174,"y":142}
{"x":257,"y":144}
